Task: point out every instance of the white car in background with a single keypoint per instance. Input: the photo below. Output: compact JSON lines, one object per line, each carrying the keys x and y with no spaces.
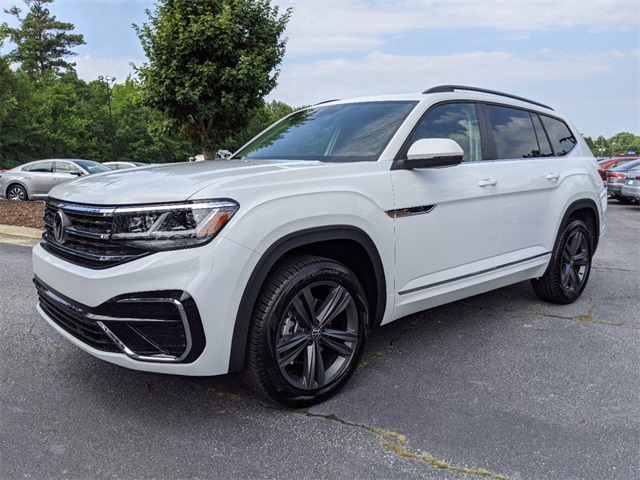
{"x":340,"y":218}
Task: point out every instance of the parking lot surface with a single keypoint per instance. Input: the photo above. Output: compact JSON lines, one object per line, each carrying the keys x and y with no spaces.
{"x":499,"y":386}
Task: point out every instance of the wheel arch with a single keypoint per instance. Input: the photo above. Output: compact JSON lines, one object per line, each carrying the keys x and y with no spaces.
{"x":346,"y":244}
{"x":20,"y":184}
{"x":587,"y":211}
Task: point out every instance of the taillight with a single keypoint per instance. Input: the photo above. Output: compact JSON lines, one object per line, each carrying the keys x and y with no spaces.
{"x":637,"y":177}
{"x":615,"y":175}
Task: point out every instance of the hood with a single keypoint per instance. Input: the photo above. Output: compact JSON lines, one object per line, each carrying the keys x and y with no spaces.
{"x":167,"y":183}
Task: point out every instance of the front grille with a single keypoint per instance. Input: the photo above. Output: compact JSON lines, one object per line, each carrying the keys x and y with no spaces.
{"x":87,"y":236}
{"x":147,"y":326}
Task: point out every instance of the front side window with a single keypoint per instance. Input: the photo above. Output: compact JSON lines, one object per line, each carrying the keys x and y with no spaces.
{"x":65,"y":167}
{"x":457,"y":121}
{"x":91,"y":166}
{"x":562,"y":140}
{"x":513,"y":132}
{"x":337,"y":133}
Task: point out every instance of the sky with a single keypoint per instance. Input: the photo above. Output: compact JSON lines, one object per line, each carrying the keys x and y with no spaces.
{"x":582,"y":57}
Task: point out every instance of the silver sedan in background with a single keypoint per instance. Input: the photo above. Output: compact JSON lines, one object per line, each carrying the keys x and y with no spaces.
{"x":33,"y":180}
{"x":631,"y":186}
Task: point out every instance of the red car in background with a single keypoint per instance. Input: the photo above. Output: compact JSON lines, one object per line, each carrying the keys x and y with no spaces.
{"x":614,"y":162}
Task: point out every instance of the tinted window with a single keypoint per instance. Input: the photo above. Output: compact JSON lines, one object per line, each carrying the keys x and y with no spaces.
{"x":39,"y":167}
{"x":337,"y":133}
{"x":67,"y":167}
{"x":457,"y":121}
{"x":562,"y":140}
{"x":91,"y":166}
{"x":513,"y":132}
{"x":543,"y":141}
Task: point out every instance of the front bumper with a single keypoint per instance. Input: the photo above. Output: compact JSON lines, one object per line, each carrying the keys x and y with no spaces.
{"x":195,"y":292}
{"x":145,"y":326}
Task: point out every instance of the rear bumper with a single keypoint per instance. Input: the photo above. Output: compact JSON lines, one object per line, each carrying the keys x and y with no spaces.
{"x":632,"y":191}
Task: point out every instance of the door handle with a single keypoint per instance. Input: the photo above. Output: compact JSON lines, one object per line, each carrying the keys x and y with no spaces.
{"x":489,"y":182}
{"x":553,"y":176}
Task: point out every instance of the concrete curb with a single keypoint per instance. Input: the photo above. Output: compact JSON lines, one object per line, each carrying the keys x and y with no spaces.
{"x":24,"y":236}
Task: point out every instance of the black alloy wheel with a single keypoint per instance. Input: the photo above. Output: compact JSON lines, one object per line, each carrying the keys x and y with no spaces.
{"x":570,"y":265}
{"x":308,"y":331}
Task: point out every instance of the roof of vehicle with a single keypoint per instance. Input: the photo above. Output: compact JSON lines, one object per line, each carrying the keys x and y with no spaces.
{"x":448,"y":92}
{"x":625,"y":166}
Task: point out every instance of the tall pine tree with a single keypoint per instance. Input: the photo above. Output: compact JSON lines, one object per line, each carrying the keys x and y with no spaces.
{"x":42,"y":42}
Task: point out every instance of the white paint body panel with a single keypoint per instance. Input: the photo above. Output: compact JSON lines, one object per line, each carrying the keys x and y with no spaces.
{"x":477,"y":237}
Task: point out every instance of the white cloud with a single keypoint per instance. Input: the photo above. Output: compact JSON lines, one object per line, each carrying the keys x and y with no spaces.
{"x":89,"y":68}
{"x":317,"y":25}
{"x":380,"y":73}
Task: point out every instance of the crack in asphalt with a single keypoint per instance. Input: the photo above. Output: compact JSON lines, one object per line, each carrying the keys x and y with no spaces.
{"x":391,"y":440}
{"x":388,"y":349}
{"x":41,"y":341}
{"x":398,"y":443}
{"x":587,"y":318}
{"x":614,"y":269}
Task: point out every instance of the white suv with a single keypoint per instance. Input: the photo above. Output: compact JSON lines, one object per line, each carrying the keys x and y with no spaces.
{"x":339,"y":218}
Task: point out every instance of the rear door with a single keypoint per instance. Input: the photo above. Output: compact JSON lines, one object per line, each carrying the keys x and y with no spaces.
{"x":530,"y":175}
{"x":38,"y":177}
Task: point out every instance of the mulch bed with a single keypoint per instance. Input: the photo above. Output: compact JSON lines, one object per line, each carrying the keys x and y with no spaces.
{"x":22,"y":214}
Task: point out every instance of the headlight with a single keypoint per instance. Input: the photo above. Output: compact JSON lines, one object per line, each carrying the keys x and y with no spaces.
{"x":169,"y":227}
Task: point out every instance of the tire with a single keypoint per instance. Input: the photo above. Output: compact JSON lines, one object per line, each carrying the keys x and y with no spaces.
{"x":307,"y":331}
{"x":568,"y":271}
{"x":17,"y":192}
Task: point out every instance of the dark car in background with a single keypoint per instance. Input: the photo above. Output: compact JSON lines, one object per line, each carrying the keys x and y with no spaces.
{"x":616,"y":178}
{"x":33,"y":180}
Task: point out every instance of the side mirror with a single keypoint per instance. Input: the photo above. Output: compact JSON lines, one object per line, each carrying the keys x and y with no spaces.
{"x":431,"y":153}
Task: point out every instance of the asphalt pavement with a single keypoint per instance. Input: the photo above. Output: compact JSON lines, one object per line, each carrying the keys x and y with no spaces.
{"x":499,"y":386}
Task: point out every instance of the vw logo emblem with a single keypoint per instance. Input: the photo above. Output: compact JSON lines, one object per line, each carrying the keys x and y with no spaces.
{"x":60,"y":224}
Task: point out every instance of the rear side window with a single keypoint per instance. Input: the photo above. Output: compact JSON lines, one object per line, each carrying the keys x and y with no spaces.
{"x":67,"y":168}
{"x":543,"y":141}
{"x":45,"y":167}
{"x":513,"y":132}
{"x":562,"y":140}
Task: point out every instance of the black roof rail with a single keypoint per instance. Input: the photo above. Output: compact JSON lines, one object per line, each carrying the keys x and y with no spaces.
{"x":451,"y":88}
{"x":326,"y":101}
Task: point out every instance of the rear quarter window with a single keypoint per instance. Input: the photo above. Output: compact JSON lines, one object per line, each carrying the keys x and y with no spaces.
{"x":560,"y":136}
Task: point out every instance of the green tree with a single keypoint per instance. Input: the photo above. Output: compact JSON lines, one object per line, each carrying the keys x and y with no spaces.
{"x":42,"y":42}
{"x":210,"y":64}
{"x":19,"y":137}
{"x":139,"y":134}
{"x":259,"y":119}
{"x":623,"y":142}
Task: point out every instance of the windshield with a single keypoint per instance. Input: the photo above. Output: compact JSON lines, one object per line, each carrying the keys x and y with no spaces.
{"x":353,"y":132}
{"x":92,"y":167}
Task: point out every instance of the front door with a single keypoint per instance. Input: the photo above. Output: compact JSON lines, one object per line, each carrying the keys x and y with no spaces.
{"x":447,"y":219}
